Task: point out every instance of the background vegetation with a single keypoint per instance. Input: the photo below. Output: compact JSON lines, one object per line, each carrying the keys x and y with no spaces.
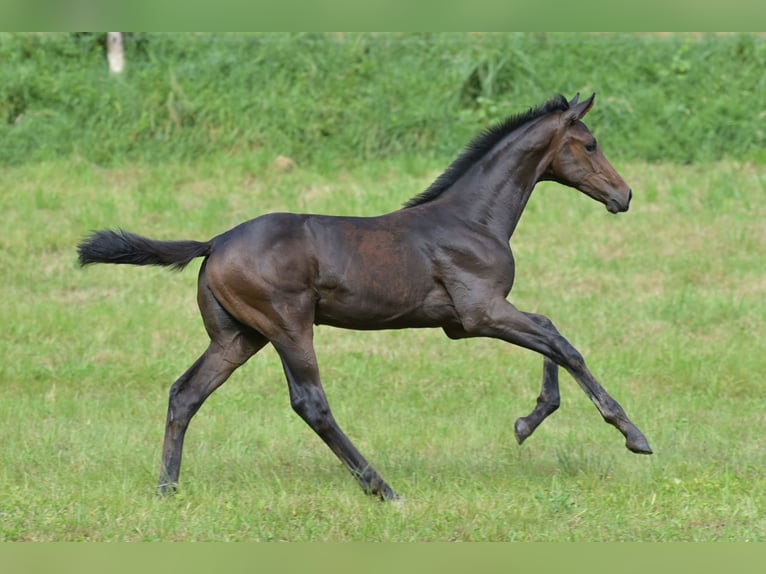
{"x":666,"y":301}
{"x":360,"y":97}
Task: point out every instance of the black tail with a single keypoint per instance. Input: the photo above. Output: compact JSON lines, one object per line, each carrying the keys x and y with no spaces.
{"x":107,"y":246}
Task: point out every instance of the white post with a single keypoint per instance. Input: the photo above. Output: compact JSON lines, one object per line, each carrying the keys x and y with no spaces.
{"x":115,"y":52}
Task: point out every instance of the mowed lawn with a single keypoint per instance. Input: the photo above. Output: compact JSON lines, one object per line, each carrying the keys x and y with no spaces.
{"x":667,"y":303}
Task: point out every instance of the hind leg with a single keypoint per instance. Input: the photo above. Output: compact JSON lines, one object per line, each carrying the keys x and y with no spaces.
{"x":231,"y":345}
{"x":308,"y":400}
{"x":188,"y":393}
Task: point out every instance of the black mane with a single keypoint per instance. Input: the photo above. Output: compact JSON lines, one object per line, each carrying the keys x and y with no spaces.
{"x":481,"y":145}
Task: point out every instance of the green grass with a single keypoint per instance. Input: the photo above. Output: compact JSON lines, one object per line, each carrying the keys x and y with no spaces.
{"x":666,"y":302}
{"x":680,"y":98}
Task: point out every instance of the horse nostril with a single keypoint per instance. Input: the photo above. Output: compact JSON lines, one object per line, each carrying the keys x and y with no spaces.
{"x":630,"y":195}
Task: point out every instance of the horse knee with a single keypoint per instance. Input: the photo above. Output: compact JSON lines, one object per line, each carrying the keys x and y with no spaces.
{"x":550,"y":404}
{"x":570,"y":358}
{"x":544,"y":322}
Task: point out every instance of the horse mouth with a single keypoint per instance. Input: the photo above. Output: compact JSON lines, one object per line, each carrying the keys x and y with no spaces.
{"x":614,"y":207}
{"x":617,"y":206}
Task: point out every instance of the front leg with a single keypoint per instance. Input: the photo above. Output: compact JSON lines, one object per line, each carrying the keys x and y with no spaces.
{"x":547,"y":402}
{"x":502,"y":320}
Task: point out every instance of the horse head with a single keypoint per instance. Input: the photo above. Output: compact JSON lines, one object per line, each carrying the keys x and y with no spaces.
{"x":577,"y":160}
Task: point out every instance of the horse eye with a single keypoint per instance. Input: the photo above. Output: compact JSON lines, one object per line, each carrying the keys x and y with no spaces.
{"x":590,"y":146}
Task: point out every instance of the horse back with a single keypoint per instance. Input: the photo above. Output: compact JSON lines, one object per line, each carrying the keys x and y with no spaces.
{"x":354,"y":272}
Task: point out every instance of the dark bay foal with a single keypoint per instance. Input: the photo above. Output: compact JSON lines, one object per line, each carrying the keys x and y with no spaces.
{"x":443,"y":260}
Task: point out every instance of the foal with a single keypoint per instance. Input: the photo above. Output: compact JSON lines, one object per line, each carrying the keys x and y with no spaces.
{"x":443,"y":260}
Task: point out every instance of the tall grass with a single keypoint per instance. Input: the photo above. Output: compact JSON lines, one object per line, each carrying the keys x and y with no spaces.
{"x":666,"y":302}
{"x":343,"y":98}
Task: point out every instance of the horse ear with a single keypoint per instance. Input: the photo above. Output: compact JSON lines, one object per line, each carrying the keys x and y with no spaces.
{"x":573,"y":101}
{"x":578,"y":109}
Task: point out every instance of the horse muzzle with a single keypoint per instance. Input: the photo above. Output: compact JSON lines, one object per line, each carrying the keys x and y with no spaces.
{"x":614,"y":205}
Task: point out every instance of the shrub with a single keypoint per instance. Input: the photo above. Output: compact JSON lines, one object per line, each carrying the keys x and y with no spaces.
{"x":344,"y":98}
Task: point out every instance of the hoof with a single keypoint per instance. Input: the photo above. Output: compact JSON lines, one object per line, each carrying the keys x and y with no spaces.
{"x":380,"y":489}
{"x":388,"y":495}
{"x":167,"y":490}
{"x":521,"y":430}
{"x":639,"y":446}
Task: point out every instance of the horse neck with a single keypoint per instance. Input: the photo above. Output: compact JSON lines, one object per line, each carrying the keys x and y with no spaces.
{"x":495,"y":191}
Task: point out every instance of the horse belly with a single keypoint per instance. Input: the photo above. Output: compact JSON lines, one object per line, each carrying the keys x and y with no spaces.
{"x":400,"y":294}
{"x":375,"y":309}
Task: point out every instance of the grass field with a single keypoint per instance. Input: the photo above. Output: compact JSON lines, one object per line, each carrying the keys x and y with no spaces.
{"x":324,"y":98}
{"x":666,"y":303}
